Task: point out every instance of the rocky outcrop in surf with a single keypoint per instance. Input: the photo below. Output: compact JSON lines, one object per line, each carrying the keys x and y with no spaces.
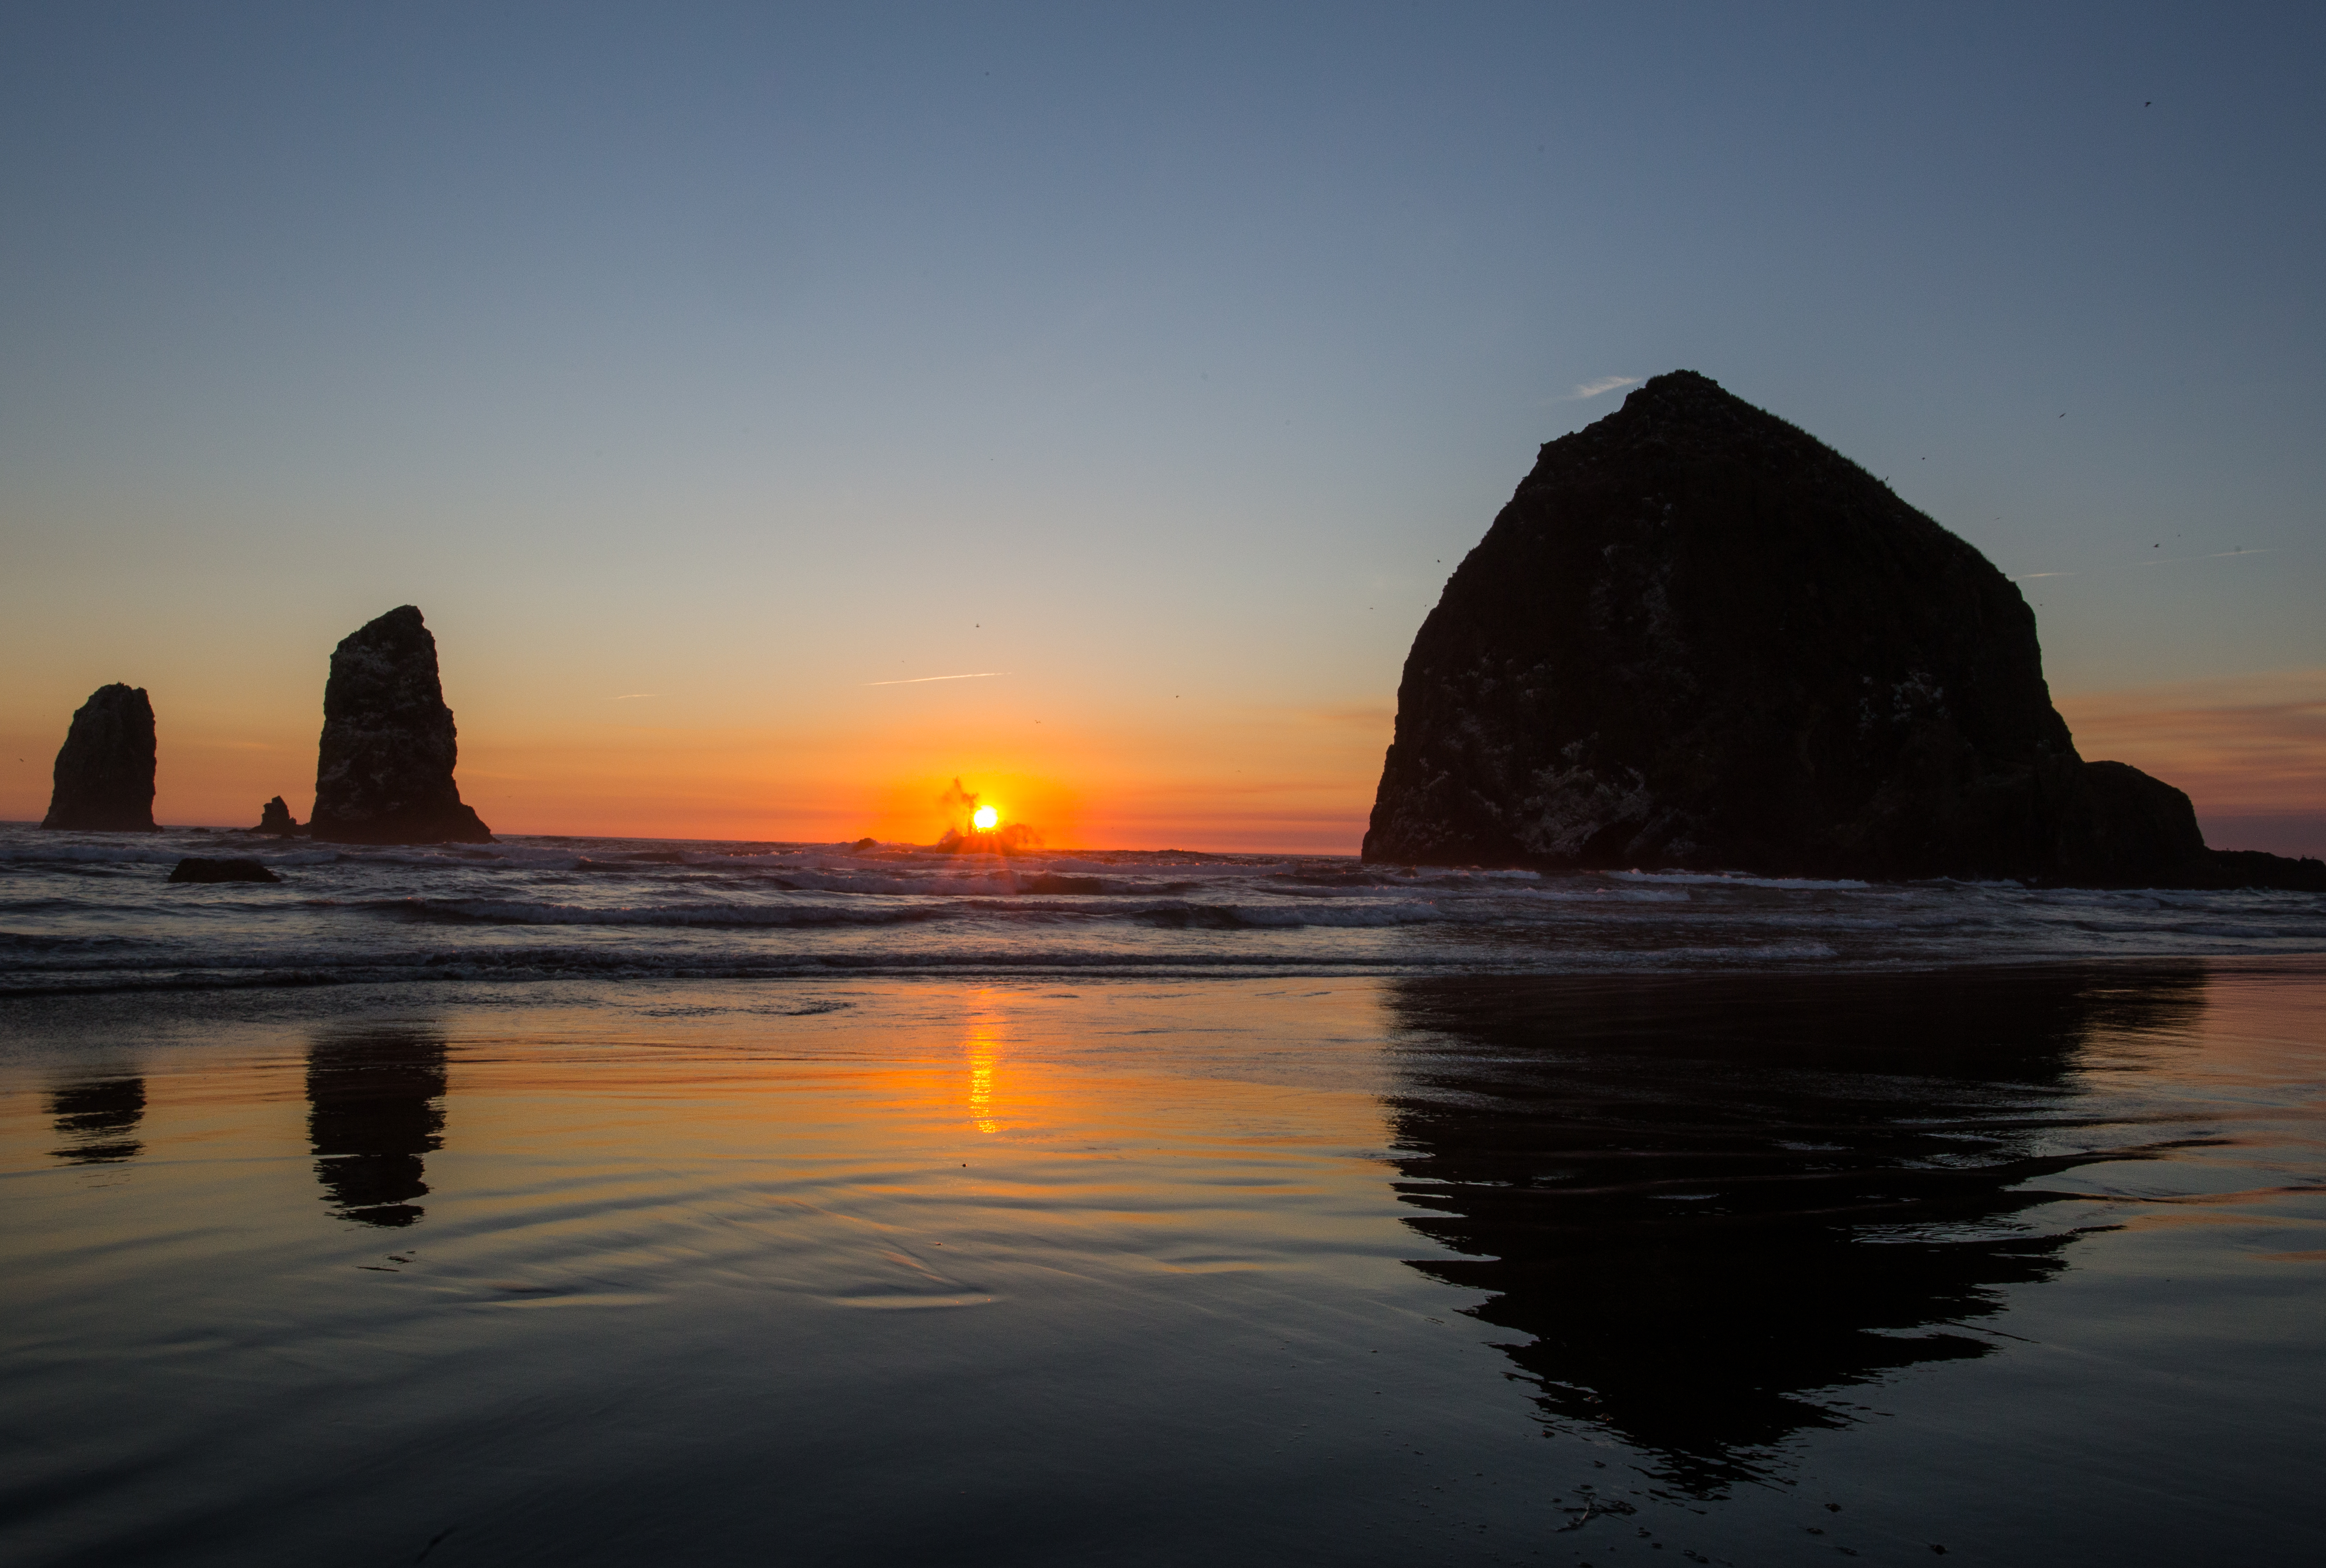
{"x":198,"y":869}
{"x":384,"y":773}
{"x":1697,"y":638}
{"x":275,"y":817}
{"x":104,"y":780}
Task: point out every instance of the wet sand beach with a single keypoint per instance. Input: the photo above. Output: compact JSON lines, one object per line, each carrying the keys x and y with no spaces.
{"x":2023,"y":1262}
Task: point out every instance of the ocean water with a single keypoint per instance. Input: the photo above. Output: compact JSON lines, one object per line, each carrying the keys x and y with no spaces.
{"x":609,"y":1202}
{"x":94,"y":912}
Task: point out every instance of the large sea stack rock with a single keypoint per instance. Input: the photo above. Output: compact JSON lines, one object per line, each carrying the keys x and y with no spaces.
{"x":384,"y":771}
{"x":105,"y":770}
{"x":1696,"y":638}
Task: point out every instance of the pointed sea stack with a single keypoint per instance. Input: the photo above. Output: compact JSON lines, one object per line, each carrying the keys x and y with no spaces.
{"x":384,"y":774}
{"x":275,"y":817}
{"x":105,"y":770}
{"x":1699,"y":638}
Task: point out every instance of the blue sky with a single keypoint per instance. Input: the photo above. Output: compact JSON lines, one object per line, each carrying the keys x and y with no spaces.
{"x":1164,"y":360}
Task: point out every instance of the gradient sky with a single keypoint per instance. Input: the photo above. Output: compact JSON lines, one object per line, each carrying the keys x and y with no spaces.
{"x":695,"y":366}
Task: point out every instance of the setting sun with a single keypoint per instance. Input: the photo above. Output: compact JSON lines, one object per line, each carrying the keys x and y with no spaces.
{"x":984,"y":818}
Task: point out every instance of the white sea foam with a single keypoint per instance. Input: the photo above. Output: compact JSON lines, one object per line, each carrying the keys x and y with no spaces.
{"x":94,"y":911}
{"x":1742,"y":880}
{"x":526,"y":912}
{"x":142,"y":853}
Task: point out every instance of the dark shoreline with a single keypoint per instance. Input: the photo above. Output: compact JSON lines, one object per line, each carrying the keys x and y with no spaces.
{"x":19,"y":1007}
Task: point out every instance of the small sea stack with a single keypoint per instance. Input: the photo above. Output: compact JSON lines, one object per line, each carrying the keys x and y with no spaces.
{"x":384,"y":770}
{"x":104,"y":781}
{"x":1699,"y":638}
{"x":1009,"y":839}
{"x":275,"y":817}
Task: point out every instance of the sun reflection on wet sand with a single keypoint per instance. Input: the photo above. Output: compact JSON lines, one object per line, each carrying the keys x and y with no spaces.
{"x":1082,"y":1251}
{"x":984,"y":1047}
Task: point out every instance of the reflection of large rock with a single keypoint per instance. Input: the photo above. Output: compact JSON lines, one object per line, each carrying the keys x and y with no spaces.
{"x":1705,"y":1206}
{"x":104,"y":771}
{"x":1697,"y":638}
{"x":384,"y":771}
{"x":375,"y":1110}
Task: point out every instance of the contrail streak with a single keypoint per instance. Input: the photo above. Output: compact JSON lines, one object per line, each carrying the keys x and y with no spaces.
{"x":2128,"y":565}
{"x":918,"y":679}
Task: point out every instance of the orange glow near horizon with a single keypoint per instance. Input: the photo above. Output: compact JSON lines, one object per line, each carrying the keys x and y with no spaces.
{"x":1075,"y":774}
{"x":2242,"y":746}
{"x":1262,"y":779}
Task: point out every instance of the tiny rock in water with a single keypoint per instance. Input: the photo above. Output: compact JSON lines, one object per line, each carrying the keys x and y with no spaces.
{"x":195,"y":869}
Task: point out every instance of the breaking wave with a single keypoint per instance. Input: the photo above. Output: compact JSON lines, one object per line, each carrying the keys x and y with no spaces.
{"x":95,"y":912}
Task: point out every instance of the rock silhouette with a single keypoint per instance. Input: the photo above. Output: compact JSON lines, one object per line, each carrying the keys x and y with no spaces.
{"x":374,"y":1111}
{"x":275,"y":817}
{"x":1696,"y":638}
{"x":196,"y":869}
{"x":104,"y":781}
{"x":1703,"y":1207}
{"x":98,"y":1119}
{"x":384,"y":773}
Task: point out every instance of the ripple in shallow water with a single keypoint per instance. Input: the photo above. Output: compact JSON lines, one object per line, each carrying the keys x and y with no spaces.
{"x":1372,"y":1271}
